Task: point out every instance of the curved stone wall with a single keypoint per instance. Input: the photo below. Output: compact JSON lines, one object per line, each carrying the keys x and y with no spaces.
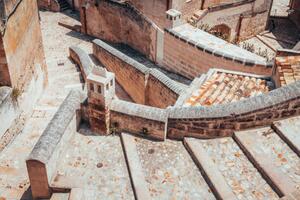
{"x":223,"y":120}
{"x":189,"y":58}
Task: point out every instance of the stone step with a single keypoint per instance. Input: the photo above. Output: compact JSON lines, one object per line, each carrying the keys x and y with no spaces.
{"x":278,"y":164}
{"x":60,"y":196}
{"x":135,"y":168}
{"x":84,"y":194}
{"x":168,"y":170}
{"x":95,"y":164}
{"x":227,"y":169}
{"x":288,"y":130}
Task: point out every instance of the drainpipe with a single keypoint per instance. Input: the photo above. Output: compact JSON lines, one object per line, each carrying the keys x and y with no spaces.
{"x":202,"y":4}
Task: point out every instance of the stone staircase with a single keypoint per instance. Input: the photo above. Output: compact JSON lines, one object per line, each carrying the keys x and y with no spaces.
{"x":63,"y":4}
{"x":197,"y":16}
{"x":255,"y":164}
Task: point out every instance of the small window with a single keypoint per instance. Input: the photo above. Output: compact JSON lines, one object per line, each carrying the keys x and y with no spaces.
{"x":99,"y":89}
{"x":111,"y":83}
{"x":92,"y":87}
{"x":107,"y":87}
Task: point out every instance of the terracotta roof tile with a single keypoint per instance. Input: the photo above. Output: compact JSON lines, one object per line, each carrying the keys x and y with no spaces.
{"x":224,"y":87}
{"x":288,"y":69}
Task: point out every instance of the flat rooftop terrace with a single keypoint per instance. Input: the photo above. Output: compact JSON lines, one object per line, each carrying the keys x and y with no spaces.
{"x":212,"y":43}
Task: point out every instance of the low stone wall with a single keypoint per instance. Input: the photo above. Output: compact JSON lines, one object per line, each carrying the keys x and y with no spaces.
{"x":51,"y":5}
{"x":223,"y":120}
{"x":42,"y":161}
{"x":8,"y":109}
{"x":82,"y":59}
{"x":144,"y":85}
{"x":138,"y":119}
{"x":190,"y":59}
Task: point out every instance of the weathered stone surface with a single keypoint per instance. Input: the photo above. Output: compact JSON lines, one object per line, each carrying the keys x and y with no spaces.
{"x":272,"y":157}
{"x":140,"y":186}
{"x":56,"y":128}
{"x":79,"y":167}
{"x":288,"y":130}
{"x":229,"y":161}
{"x":170,"y":172}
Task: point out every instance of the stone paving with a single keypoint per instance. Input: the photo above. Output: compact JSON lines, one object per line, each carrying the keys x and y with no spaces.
{"x":63,"y":76}
{"x":170,"y":172}
{"x":273,"y":153}
{"x":289,"y":129}
{"x":239,"y":173}
{"x":94,"y":163}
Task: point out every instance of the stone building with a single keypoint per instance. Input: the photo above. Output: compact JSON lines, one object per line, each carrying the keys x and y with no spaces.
{"x":23,"y":71}
{"x":21,"y":47}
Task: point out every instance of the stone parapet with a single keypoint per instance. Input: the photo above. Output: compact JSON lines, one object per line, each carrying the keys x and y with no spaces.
{"x":222,"y":120}
{"x":215,"y":52}
{"x":41,"y":162}
{"x":82,"y":59}
{"x":138,"y":119}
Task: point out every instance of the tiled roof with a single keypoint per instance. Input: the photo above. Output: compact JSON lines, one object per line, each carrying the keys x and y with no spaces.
{"x":288,"y":69}
{"x":224,"y":87}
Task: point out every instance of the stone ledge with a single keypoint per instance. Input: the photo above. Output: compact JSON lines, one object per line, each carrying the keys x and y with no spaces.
{"x":138,"y":110}
{"x":229,"y":5}
{"x":54,"y":131}
{"x":82,"y":59}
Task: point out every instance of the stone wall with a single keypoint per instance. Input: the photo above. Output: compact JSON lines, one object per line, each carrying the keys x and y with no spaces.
{"x":143,"y":85}
{"x":157,"y":93}
{"x":138,"y":119}
{"x":252,"y":25}
{"x":191,"y":60}
{"x":131,"y":78}
{"x":153,"y":9}
{"x":223,"y":120}
{"x":22,"y":41}
{"x":41,"y":163}
{"x":120,"y":23}
{"x":187,"y":8}
{"x":51,"y":5}
{"x":244,"y":18}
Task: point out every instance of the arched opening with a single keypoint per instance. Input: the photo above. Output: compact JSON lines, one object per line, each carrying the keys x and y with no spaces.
{"x":222,"y":31}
